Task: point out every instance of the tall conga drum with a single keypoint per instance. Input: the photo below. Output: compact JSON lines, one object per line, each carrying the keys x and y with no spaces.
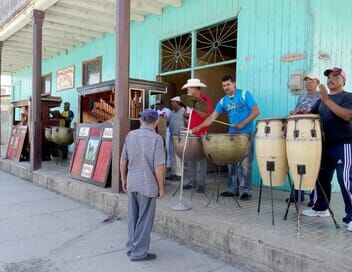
{"x":270,"y":147}
{"x":304,"y":147}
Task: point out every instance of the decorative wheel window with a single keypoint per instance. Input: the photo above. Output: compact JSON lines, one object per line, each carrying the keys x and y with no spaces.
{"x":217,"y":43}
{"x":176,"y":53}
{"x":209,"y":46}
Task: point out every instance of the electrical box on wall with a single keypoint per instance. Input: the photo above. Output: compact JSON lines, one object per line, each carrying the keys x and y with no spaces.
{"x":296,"y":84}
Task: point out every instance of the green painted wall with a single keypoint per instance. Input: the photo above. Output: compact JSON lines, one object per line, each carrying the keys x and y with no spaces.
{"x":267,"y":30}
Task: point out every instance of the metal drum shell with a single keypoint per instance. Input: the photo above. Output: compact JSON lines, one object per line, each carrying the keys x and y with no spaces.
{"x":225,"y":148}
{"x":62,"y":135}
{"x":48,"y":133}
{"x":304,"y":149}
{"x":194,"y":150}
{"x":270,"y":145}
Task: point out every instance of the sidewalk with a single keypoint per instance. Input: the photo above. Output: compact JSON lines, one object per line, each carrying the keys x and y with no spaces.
{"x":43,"y":231}
{"x":229,"y":233}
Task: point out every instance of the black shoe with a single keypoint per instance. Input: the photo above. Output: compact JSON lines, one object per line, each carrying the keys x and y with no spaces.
{"x":237,"y":194}
{"x":310,"y":203}
{"x":227,"y":194}
{"x":201,"y":189}
{"x":347,"y":219}
{"x":245,"y":196}
{"x":188,"y":186}
{"x":150,"y":256}
{"x":174,"y":178}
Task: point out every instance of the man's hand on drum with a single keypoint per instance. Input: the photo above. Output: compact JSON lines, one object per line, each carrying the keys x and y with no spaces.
{"x":196,"y":129}
{"x":238,"y":126}
{"x":302,"y":111}
{"x":323,"y":93}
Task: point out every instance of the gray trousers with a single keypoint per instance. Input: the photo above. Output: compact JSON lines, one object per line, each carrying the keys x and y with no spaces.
{"x":197,"y":172}
{"x":141,"y":213}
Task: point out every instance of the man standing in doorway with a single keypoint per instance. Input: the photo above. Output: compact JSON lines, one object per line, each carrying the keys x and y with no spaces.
{"x":143,"y":155}
{"x":241,"y":110}
{"x":176,"y":124}
{"x":66,"y":118}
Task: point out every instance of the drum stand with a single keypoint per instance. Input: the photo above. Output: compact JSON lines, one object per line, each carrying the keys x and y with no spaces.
{"x":337,"y":226}
{"x":180,"y":206}
{"x":270,"y":166}
{"x":218,"y":189}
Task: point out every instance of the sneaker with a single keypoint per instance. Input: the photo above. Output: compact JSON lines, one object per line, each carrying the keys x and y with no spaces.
{"x":245,"y":196}
{"x":227,"y":194}
{"x":314,"y":213}
{"x":201,"y":189}
{"x":150,"y":256}
{"x":349,"y":227}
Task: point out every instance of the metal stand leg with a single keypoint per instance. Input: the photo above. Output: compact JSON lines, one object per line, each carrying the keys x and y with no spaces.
{"x":301,"y":170}
{"x":337,"y":226}
{"x":272,"y":199}
{"x":260,"y":195}
{"x":289,"y":200}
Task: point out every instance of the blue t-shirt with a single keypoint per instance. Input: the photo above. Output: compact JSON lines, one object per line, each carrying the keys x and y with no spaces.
{"x":238,"y":108}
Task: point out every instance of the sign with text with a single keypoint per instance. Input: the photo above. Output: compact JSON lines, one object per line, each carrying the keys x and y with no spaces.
{"x":65,"y":78}
{"x":292,"y":57}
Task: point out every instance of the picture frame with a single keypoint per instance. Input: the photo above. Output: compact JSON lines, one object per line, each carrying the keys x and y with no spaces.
{"x":65,"y":78}
{"x":136,"y":102}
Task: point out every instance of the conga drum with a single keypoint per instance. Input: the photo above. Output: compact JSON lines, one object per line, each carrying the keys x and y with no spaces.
{"x":304,"y":147}
{"x":270,"y":146}
{"x":194,"y":149}
{"x":223,"y":149}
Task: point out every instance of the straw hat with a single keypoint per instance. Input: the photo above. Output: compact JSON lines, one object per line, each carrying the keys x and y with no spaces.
{"x":193,"y":82}
{"x":176,"y":98}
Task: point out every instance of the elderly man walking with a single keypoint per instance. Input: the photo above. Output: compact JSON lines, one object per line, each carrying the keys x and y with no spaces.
{"x":144,"y":155}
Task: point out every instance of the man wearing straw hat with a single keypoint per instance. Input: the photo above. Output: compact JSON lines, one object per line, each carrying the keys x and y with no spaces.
{"x":198,"y":169}
{"x":242,"y":110}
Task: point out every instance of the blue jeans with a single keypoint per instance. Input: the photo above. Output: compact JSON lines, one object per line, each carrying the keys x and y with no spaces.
{"x":240,"y":173}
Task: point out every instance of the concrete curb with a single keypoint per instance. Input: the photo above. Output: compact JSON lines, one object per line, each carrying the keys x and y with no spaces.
{"x":219,"y":240}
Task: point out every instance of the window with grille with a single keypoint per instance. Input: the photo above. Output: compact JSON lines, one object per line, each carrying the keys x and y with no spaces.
{"x":215,"y":44}
{"x":176,"y":53}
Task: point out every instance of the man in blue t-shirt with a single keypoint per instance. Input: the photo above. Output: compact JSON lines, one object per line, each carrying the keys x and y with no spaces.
{"x":241,"y":110}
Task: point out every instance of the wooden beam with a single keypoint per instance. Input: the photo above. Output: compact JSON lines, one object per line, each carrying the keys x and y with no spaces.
{"x":144,"y":7}
{"x":84,"y":15}
{"x":36,"y":110}
{"x":76,"y":22}
{"x":121,"y":121}
{"x":1,"y":45}
{"x":61,"y":36}
{"x":74,"y":30}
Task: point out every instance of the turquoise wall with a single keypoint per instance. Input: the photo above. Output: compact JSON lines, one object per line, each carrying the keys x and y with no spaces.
{"x":267,"y":30}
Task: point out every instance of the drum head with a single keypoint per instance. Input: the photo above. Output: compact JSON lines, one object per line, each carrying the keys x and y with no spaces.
{"x":304,"y":116}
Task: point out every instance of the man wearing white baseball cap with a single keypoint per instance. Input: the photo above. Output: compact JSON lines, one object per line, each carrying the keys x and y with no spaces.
{"x":176,"y":124}
{"x":304,"y":103}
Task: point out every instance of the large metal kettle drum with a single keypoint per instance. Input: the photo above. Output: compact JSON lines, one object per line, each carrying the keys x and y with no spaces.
{"x":62,"y":135}
{"x":223,"y":149}
{"x":194,"y":150}
{"x":47,"y":133}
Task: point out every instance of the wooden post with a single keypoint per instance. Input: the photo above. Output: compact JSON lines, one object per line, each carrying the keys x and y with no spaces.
{"x":1,"y":45}
{"x":121,"y":120}
{"x":36,"y":110}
